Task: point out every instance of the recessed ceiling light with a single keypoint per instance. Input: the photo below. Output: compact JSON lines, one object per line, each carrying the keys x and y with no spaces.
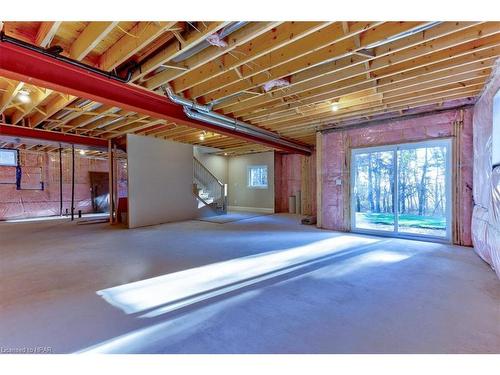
{"x":335,"y":107}
{"x":225,"y":153}
{"x":24,"y":96}
{"x":82,"y":152}
{"x":202,"y":136}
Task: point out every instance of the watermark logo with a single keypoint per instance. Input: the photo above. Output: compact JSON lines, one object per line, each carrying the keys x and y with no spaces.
{"x":26,"y":350}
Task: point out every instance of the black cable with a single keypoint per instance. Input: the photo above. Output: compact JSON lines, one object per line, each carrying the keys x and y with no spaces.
{"x":7,"y":39}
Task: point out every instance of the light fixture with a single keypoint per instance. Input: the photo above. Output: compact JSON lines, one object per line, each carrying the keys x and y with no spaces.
{"x":82,"y":152}
{"x":335,"y":107}
{"x":225,"y":153}
{"x":202,"y":136}
{"x":24,"y":96}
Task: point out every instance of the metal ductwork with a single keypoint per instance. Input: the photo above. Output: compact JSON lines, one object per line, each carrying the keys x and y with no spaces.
{"x":204,"y":113}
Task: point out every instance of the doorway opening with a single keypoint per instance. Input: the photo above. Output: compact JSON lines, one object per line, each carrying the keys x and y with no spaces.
{"x":402,"y":190}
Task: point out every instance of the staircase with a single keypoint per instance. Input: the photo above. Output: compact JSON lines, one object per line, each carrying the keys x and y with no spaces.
{"x":208,"y":189}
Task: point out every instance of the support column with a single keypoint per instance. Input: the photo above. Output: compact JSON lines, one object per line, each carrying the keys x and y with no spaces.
{"x":111,"y":184}
{"x":72,"y":182}
{"x":319,"y":179}
{"x":60,"y":183}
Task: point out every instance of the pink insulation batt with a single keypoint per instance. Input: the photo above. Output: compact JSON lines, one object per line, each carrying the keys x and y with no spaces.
{"x":288,"y":180}
{"x":31,"y":201}
{"x":336,"y":149}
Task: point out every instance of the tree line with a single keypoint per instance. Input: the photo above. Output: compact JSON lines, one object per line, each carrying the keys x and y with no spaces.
{"x":421,"y":181}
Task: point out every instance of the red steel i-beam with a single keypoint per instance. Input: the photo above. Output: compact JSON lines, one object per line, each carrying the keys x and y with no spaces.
{"x":35,"y":68}
{"x":51,"y":136}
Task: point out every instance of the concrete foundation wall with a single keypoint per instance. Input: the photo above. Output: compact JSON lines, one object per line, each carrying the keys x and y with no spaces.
{"x":334,"y":154}
{"x":239,"y":194}
{"x":160,"y":181}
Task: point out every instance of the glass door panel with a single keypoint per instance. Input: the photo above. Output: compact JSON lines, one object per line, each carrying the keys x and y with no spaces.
{"x":402,"y":190}
{"x":422,"y":191}
{"x":373,"y":191}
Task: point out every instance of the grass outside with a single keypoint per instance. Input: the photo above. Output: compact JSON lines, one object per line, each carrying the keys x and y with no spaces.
{"x":405,"y":220}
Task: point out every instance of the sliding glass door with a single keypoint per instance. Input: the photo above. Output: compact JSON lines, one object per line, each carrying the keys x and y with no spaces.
{"x":402,"y":190}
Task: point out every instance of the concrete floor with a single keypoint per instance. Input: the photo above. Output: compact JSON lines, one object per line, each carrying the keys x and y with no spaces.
{"x":262,"y":285}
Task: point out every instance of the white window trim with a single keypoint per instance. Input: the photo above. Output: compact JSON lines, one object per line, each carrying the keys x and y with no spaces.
{"x":262,"y":187}
{"x":12,"y":151}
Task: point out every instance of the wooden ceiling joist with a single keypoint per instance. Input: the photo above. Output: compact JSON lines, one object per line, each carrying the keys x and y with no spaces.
{"x":12,"y":90}
{"x":134,"y":40}
{"x":446,"y":58}
{"x":46,"y":33}
{"x":275,"y":38}
{"x":238,"y":38}
{"x":368,"y":69}
{"x":89,"y":38}
{"x":175,"y":49}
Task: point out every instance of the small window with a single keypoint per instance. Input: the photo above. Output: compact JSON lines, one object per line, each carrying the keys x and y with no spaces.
{"x":257,"y":176}
{"x":8,"y":157}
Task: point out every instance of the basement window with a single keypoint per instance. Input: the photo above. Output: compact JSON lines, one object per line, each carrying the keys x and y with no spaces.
{"x":257,"y":176}
{"x":8,"y":157}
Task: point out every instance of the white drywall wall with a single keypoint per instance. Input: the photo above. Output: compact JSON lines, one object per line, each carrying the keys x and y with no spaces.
{"x":160,"y":181}
{"x":239,"y":194}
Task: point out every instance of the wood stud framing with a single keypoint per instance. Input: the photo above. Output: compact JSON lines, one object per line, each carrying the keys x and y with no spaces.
{"x":364,"y":68}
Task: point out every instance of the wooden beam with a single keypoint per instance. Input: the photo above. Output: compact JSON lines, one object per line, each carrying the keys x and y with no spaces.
{"x":310,"y":87}
{"x":305,"y":53}
{"x":132,"y":128}
{"x":36,"y":98}
{"x":55,"y":105}
{"x":133,"y":41}
{"x":89,"y":38}
{"x":238,"y":38}
{"x":12,"y":90}
{"x":81,"y":121}
{"x":385,"y":107}
{"x":175,"y":49}
{"x":275,"y":38}
{"x":373,"y":100}
{"x":414,"y":77}
{"x":313,"y":77}
{"x":46,"y":33}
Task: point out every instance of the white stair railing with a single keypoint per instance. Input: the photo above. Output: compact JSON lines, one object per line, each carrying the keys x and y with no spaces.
{"x":208,"y":188}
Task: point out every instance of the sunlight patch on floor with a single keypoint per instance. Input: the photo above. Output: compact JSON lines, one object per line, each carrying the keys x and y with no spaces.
{"x":176,"y":290}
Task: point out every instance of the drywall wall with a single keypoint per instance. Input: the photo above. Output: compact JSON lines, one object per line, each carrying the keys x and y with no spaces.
{"x":216,"y":164}
{"x":486,"y":214}
{"x":240,"y":196}
{"x":333,"y":150}
{"x":160,"y":181}
{"x":38,"y":167}
{"x":292,"y":173}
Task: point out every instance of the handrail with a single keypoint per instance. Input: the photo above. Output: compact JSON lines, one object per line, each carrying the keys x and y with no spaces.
{"x":207,"y":182}
{"x":207,"y":170}
{"x":201,"y":199}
